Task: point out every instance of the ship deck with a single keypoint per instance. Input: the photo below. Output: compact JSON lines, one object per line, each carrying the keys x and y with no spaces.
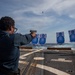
{"x":47,"y":62}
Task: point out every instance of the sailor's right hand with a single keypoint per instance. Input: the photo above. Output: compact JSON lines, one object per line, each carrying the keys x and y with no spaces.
{"x":33,"y":34}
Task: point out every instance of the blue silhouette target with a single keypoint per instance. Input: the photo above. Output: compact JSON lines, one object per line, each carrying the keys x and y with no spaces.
{"x":60,"y":37}
{"x":42,"y":39}
{"x":35,"y":40}
{"x":72,"y":35}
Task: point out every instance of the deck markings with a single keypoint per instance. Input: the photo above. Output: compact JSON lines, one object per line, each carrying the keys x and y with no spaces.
{"x":39,"y":58}
{"x":51,"y":69}
{"x":61,"y":60}
{"x":24,"y":55}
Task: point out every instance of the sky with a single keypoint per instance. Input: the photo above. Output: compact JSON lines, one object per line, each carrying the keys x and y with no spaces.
{"x":45,"y":16}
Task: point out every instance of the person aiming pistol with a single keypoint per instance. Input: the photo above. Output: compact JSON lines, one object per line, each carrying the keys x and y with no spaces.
{"x":9,"y":46}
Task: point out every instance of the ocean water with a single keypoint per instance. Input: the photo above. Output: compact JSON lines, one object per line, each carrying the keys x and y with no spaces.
{"x":54,"y":45}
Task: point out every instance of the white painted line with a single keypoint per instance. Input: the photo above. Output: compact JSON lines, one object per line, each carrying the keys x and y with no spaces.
{"x":23,"y":62}
{"x":47,"y":68}
{"x":27,"y":49}
{"x":24,"y":55}
{"x":61,"y":60}
{"x":73,"y":50}
{"x":56,"y":50}
{"x":53,"y":70}
{"x":39,"y":58}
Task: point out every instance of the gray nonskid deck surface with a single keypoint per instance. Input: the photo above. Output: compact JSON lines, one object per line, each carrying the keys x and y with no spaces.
{"x":56,"y":62}
{"x":62,"y":61}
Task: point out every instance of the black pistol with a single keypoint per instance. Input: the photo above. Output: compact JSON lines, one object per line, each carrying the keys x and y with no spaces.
{"x":32,"y":31}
